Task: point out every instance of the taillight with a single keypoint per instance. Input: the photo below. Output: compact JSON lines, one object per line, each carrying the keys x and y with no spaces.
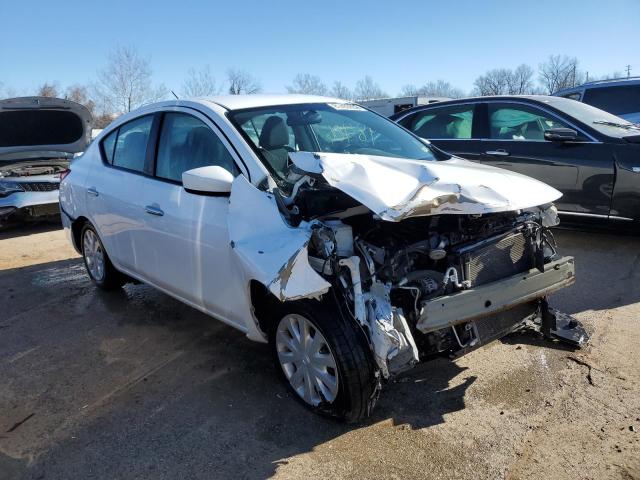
{"x":64,"y":173}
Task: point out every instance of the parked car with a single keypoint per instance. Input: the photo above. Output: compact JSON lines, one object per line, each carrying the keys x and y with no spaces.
{"x":38,"y":138}
{"x":620,"y":96}
{"x":322,"y":227}
{"x":591,"y":156}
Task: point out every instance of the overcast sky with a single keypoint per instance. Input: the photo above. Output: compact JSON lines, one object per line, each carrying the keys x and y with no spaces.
{"x":396,"y":42}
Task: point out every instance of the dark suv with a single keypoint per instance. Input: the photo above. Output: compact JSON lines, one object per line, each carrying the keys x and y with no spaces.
{"x":620,"y":96}
{"x":591,"y":156}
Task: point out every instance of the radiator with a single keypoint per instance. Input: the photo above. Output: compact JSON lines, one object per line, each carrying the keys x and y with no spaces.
{"x":506,"y":256}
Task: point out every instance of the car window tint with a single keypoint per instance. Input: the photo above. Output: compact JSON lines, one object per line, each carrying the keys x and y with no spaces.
{"x":445,"y":122}
{"x":131,"y":146}
{"x":186,"y":143}
{"x":519,"y":122}
{"x":108,"y":145}
{"x":619,"y":100}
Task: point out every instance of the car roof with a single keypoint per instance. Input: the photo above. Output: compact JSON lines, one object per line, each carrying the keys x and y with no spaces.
{"x":614,"y":82}
{"x":548,"y":99}
{"x":239,"y":102}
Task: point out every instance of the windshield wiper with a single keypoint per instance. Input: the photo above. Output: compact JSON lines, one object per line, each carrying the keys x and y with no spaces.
{"x":626,"y":126}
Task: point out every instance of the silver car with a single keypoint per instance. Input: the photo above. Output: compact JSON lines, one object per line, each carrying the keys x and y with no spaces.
{"x":38,"y":138}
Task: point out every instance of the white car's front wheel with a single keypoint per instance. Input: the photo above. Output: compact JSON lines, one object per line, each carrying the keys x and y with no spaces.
{"x":324,"y":359}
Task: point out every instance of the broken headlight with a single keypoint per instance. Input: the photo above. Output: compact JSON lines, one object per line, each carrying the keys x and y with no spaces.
{"x":7,"y":188}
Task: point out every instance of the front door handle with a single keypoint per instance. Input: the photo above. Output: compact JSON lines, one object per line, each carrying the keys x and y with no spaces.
{"x":92,"y":191}
{"x":154,"y":210}
{"x":501,"y":152}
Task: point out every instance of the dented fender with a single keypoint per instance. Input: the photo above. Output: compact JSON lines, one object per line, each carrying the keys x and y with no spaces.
{"x":269,"y":250}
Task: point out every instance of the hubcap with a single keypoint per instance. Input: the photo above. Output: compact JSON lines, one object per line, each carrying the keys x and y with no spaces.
{"x":306,"y":360}
{"x":93,"y":254}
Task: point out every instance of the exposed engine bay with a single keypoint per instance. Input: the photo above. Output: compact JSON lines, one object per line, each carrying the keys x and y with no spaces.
{"x":30,"y":168}
{"x":420,"y":277}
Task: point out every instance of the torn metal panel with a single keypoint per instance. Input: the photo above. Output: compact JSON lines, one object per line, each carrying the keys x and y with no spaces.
{"x":271,"y":251}
{"x":397,"y":188}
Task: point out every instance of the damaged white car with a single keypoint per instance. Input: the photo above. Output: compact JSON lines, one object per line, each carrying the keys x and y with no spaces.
{"x":38,"y":138}
{"x":352,"y":246}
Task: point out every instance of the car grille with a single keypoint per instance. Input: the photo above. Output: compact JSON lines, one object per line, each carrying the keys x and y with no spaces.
{"x":40,"y":186}
{"x":509,"y":255}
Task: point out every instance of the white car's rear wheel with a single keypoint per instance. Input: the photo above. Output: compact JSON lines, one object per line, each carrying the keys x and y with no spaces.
{"x":99,"y":267}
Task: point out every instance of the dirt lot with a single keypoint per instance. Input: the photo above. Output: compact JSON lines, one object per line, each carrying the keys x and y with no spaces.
{"x":134,"y":384}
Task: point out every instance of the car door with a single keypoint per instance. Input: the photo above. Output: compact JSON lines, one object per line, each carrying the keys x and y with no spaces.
{"x":451,"y":128}
{"x":583,"y":170}
{"x":113,"y":188}
{"x":186,"y":233}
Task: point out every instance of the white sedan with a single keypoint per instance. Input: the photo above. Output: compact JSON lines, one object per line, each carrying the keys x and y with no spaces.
{"x":352,"y":246}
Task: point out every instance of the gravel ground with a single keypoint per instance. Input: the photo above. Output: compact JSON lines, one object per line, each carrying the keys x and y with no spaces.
{"x":133,"y":384}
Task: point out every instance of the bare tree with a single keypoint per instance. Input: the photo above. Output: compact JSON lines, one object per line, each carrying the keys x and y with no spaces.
{"x":494,"y":82}
{"x":368,"y":89}
{"x":308,"y":84}
{"x":558,"y":72}
{"x":125,"y":83}
{"x":339,"y":90}
{"x":520,"y":81}
{"x":200,"y":83}
{"x":48,"y":90}
{"x":80,"y":94}
{"x":409,"y":90}
{"x":242,"y":82}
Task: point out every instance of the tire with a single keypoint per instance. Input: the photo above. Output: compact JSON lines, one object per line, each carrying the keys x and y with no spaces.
{"x":340,"y":354}
{"x":99,"y":267}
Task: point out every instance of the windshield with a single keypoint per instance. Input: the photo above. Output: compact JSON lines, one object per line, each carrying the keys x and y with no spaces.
{"x":604,"y":122}
{"x":324,"y":127}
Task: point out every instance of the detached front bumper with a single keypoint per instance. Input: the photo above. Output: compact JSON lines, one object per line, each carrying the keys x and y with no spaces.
{"x":493,"y":298}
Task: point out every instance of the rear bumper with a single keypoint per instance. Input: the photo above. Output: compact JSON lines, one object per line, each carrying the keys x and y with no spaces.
{"x":495,"y":297}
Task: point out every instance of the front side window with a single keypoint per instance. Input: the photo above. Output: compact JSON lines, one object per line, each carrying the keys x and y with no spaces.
{"x":520,"y":122}
{"x":620,"y":100}
{"x":442,"y":123}
{"x":186,"y":143}
{"x":274,"y":132}
{"x":131,"y":144}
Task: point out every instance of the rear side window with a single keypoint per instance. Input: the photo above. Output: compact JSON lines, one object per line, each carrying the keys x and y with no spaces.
{"x":109,"y":144}
{"x":619,"y":100}
{"x":131,"y":144}
{"x":186,"y":143}
{"x":442,"y":123}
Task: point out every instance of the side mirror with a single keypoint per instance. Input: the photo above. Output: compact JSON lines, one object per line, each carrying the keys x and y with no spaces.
{"x":560,"y":135}
{"x":212,"y":179}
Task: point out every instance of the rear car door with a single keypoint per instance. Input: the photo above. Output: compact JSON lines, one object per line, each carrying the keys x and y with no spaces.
{"x":113,"y":191}
{"x":582,"y":170}
{"x":450,"y":128}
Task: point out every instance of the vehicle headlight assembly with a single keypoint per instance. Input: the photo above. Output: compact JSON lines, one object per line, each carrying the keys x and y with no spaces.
{"x":8,"y":187}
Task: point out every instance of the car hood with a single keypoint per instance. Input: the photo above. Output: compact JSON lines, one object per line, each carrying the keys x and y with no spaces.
{"x":396,"y":188}
{"x":42,"y":124}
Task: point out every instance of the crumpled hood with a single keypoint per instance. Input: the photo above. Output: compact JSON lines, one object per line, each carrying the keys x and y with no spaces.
{"x":397,"y":188}
{"x":42,"y":125}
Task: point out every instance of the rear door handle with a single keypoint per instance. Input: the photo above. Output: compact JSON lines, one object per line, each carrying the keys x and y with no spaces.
{"x":92,"y":191}
{"x":501,"y":152}
{"x":153,"y":210}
